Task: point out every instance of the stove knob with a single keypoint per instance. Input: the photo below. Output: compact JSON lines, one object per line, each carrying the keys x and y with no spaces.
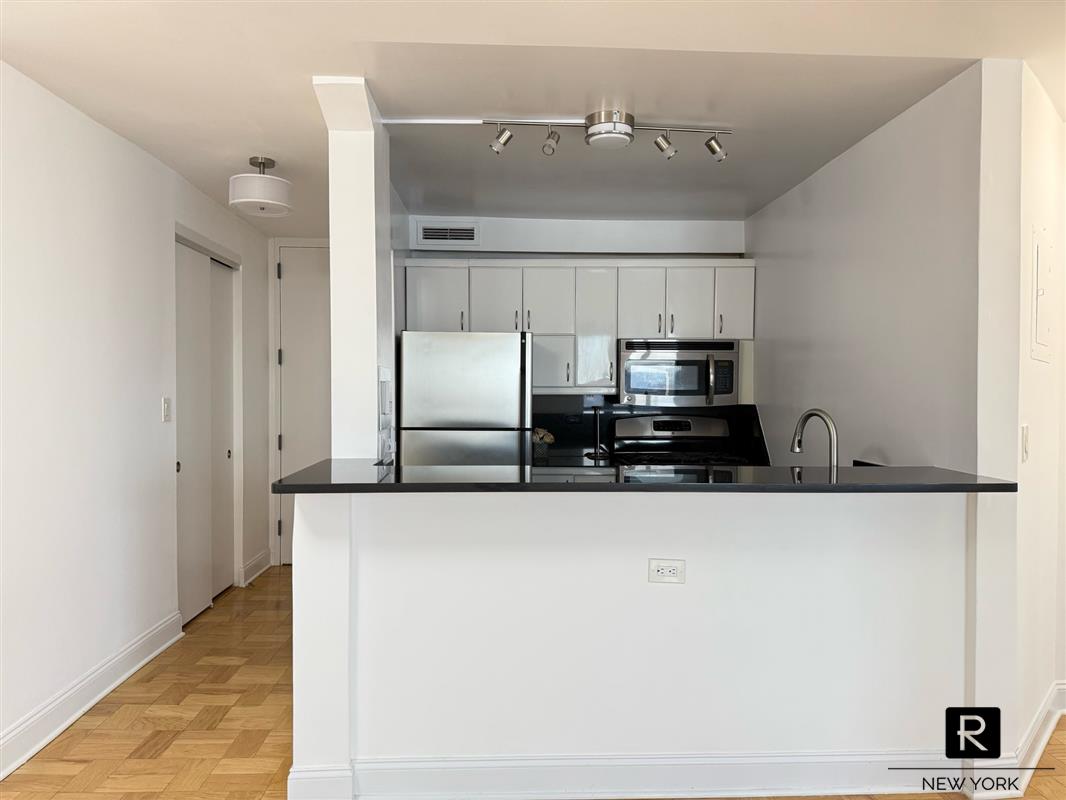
{"x":627,"y":399}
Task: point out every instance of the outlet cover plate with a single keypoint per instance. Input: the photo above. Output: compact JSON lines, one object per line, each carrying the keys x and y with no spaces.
{"x":666,"y":570}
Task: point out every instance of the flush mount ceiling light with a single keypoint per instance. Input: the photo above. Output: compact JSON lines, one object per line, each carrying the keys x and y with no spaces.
{"x":259,"y":194}
{"x":503,"y":136}
{"x":550,"y":142}
{"x":716,"y":149}
{"x":665,"y":146}
{"x":610,"y":130}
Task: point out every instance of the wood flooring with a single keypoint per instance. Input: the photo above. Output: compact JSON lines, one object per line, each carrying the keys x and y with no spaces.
{"x":210,"y":718}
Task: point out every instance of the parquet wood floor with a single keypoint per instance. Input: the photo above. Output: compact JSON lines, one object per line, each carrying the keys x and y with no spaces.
{"x":211,"y":718}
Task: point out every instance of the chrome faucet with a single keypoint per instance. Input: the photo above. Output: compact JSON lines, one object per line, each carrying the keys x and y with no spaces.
{"x":797,"y":437}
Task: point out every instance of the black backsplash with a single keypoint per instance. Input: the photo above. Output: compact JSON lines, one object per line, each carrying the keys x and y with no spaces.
{"x":571,"y":420}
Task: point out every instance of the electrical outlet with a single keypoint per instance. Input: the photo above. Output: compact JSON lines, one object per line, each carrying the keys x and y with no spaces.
{"x":665,"y":570}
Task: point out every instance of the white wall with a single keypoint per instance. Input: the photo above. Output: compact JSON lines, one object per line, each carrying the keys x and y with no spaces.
{"x":866,"y":291}
{"x":87,"y":527}
{"x":1042,"y":479}
{"x":523,"y":235}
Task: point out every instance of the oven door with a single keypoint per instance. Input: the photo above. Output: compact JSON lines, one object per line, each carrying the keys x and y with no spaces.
{"x":681,"y":377}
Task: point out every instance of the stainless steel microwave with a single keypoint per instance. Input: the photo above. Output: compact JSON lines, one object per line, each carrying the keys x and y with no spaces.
{"x":678,"y":373}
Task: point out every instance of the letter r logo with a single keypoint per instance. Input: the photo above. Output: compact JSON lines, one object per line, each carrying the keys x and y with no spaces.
{"x":972,"y":733}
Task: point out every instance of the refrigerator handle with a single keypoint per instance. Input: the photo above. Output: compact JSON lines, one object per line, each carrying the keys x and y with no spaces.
{"x":526,"y":377}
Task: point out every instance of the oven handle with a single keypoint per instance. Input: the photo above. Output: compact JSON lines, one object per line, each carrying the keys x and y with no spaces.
{"x":710,"y":379}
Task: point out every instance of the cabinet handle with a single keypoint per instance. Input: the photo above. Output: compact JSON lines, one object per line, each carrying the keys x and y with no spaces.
{"x":529,"y":323}
{"x":461,"y":313}
{"x":611,"y":373}
{"x":671,"y":323}
{"x":660,"y":323}
{"x":568,"y":372}
{"x":516,"y":319}
{"x":721,"y":323}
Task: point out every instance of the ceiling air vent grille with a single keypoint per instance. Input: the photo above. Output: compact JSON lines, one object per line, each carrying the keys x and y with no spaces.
{"x":450,"y":233}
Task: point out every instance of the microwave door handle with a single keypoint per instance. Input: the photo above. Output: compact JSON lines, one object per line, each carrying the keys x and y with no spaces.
{"x":710,"y":380}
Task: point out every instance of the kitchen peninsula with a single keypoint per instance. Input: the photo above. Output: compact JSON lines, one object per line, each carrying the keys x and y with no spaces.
{"x":819,"y":632}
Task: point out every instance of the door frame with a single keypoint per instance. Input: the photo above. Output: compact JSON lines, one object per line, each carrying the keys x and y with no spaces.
{"x":201,"y":244}
{"x":274,"y":323}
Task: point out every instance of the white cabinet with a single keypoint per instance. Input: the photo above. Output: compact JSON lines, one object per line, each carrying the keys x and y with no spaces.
{"x":548,"y":293}
{"x":553,"y":360}
{"x":596,"y":325}
{"x":641,"y":302}
{"x":437,"y":299}
{"x":734,"y":303}
{"x":690,"y":303}
{"x":495,"y":299}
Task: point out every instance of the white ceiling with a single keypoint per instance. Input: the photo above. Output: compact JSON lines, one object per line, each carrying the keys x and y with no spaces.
{"x":204,"y":85}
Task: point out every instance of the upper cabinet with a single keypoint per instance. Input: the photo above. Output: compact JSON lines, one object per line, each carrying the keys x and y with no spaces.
{"x":689,"y":303}
{"x":548,"y":293}
{"x":597,"y":325}
{"x":496,"y":299}
{"x":734,"y":303}
{"x":437,"y":299}
{"x":641,"y":302}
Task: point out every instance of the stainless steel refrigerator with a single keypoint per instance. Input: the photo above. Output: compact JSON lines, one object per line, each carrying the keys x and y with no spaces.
{"x":465,"y":399}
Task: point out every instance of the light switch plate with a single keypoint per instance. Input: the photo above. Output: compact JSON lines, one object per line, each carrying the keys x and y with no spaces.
{"x":666,"y":570}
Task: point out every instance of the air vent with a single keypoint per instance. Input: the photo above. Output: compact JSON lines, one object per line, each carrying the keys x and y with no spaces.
{"x":447,"y":233}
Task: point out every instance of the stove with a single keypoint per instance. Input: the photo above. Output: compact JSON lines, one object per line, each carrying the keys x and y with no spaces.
{"x":669,"y":440}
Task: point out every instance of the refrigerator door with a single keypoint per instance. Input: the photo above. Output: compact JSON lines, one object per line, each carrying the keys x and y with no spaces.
{"x":464,"y":447}
{"x":464,"y":380}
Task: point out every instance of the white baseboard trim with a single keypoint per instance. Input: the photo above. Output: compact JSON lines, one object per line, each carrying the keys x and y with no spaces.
{"x":325,"y":782}
{"x":642,"y":777}
{"x":256,"y":567}
{"x":1040,"y":729}
{"x":33,"y":731}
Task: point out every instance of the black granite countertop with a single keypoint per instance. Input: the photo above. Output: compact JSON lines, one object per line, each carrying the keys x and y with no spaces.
{"x":353,"y":475}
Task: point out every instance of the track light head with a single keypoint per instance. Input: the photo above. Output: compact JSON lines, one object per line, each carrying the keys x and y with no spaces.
{"x":666,"y":147}
{"x":716,"y":149}
{"x":550,"y":142}
{"x":503,"y":136}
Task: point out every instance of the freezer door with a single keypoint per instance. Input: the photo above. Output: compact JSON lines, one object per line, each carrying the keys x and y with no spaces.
{"x":464,"y":447}
{"x":463,"y":380}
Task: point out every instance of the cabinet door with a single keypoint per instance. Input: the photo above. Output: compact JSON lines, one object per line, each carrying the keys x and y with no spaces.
{"x":690,"y":302}
{"x":548,"y":293}
{"x":437,"y":299}
{"x":597,"y":328}
{"x":495,"y":299}
{"x":734,"y":303}
{"x":553,"y":360}
{"x":641,"y":302}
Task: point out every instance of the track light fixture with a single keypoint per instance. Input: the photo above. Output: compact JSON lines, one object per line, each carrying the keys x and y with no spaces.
{"x":716,"y":148}
{"x":666,"y":147}
{"x":503,"y":136}
{"x":550,"y":142}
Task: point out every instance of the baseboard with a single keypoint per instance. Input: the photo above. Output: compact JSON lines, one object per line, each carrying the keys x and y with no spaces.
{"x":642,"y":777}
{"x":256,"y":567}
{"x":37,"y":728}
{"x":325,"y":782}
{"x":1040,"y":729}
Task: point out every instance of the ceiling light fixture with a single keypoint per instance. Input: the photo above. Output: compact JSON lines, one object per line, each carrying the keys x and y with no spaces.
{"x":503,"y":136}
{"x":716,"y":148}
{"x":611,"y":129}
{"x":666,"y":147}
{"x":259,"y":194}
{"x":550,"y":142}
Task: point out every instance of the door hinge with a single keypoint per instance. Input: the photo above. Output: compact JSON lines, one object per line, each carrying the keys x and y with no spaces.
{"x":279,"y":356}
{"x":279,"y":441}
{"x":279,"y":270}
{"x":279,"y":527}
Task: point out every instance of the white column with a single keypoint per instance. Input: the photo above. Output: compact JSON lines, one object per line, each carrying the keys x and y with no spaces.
{"x":321,"y":648}
{"x":359,"y":263}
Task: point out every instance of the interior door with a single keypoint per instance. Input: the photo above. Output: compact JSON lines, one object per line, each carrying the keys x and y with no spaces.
{"x":222,"y":571}
{"x":734,"y":303}
{"x":192,"y":416}
{"x":548,"y":294}
{"x":690,"y":303}
{"x":305,"y":368}
{"x":641,"y":302}
{"x":597,"y":325}
{"x":495,"y":299}
{"x":437,"y":299}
